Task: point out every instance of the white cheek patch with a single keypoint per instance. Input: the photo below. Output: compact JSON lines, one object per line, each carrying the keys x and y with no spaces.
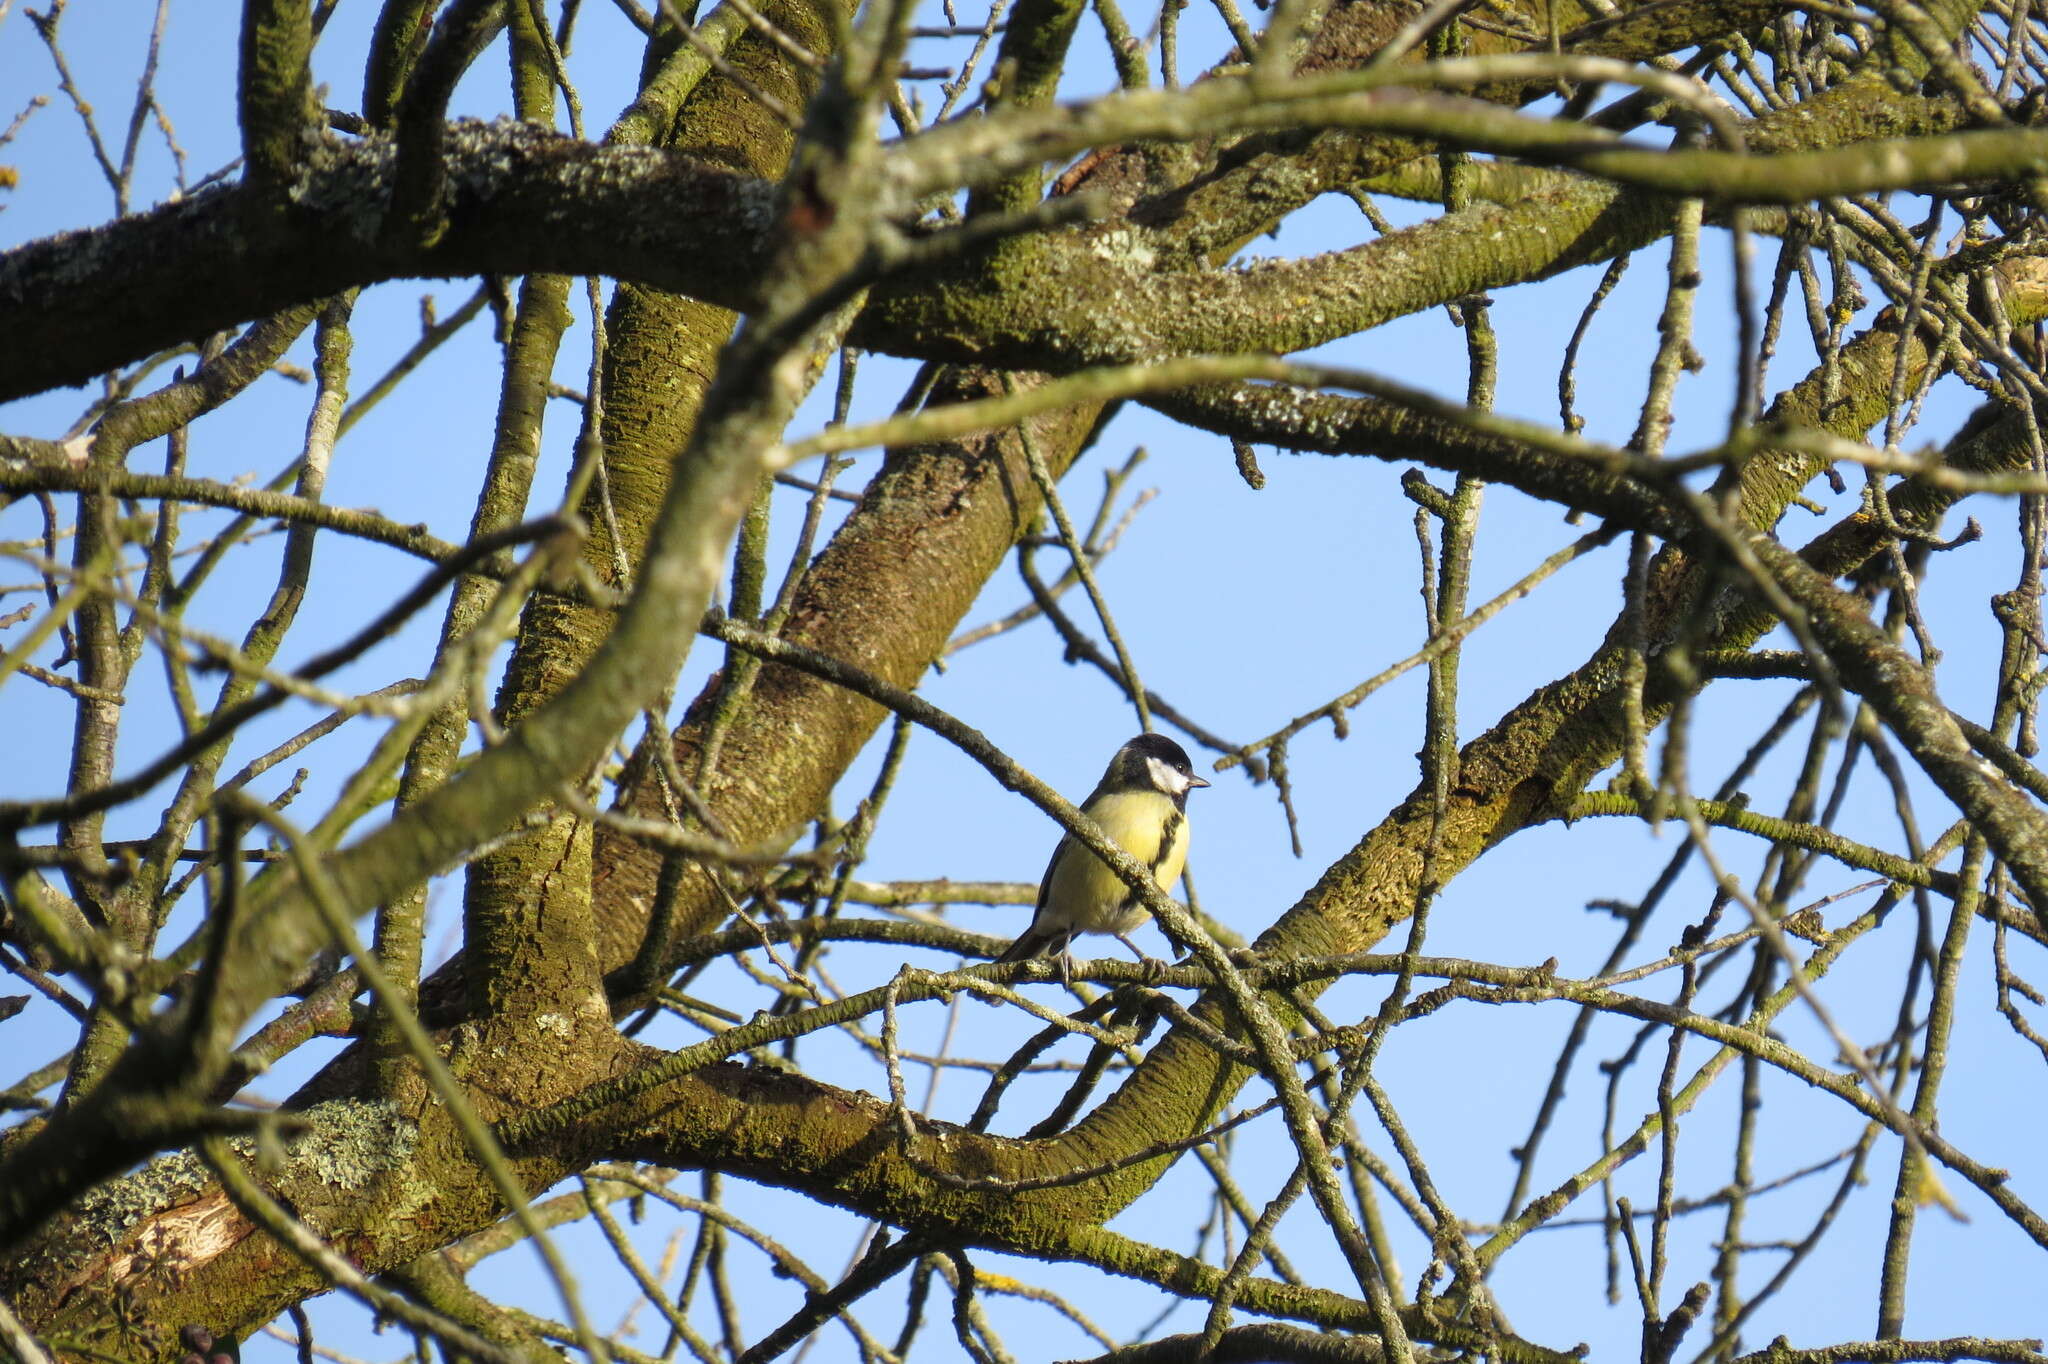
{"x":1166,"y":778}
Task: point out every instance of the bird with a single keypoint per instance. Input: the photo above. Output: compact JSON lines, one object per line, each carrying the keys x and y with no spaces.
{"x":1141,"y":803}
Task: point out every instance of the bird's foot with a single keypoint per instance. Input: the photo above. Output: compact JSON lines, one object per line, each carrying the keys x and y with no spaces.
{"x":1154,"y":969}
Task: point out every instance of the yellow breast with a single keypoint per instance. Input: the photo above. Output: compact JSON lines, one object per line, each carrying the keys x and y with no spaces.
{"x":1083,"y":890}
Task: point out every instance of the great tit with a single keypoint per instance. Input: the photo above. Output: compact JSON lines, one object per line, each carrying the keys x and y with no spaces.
{"x":1141,"y":803}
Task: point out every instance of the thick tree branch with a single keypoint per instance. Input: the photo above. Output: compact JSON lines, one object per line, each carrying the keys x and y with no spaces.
{"x":520,"y":199}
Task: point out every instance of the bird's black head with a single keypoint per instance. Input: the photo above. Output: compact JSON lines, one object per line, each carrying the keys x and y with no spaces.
{"x":1157,"y":762}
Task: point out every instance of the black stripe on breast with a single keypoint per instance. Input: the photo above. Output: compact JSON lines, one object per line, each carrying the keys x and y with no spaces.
{"x":1169,"y":834}
{"x":1169,"y":838}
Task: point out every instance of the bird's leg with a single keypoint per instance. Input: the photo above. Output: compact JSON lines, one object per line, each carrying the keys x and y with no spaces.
{"x":1152,"y":966}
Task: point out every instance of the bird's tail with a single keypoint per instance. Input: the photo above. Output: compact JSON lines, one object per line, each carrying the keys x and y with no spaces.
{"x":1035,"y":942}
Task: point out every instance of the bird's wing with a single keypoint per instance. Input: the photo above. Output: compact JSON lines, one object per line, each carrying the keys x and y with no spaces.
{"x":1035,"y":940}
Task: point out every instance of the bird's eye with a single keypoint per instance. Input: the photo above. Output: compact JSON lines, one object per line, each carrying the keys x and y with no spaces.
{"x":1167,"y":776}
